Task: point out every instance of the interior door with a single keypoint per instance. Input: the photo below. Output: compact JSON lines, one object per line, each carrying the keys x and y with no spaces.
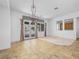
{"x":40,"y":29}
{"x":33,"y":29}
{"x":26,"y":29}
{"x":29,"y":29}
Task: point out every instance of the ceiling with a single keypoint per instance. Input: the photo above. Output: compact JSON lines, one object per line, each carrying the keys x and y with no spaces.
{"x":44,"y":8}
{"x":4,"y":3}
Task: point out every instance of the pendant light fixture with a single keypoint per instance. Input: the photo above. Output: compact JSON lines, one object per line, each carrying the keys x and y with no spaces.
{"x":33,"y":8}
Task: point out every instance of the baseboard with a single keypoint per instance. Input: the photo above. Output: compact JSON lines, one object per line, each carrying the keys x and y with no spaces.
{"x":4,"y":50}
{"x":15,"y":42}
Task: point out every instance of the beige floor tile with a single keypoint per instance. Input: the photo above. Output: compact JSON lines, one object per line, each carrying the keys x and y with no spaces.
{"x":40,"y":49}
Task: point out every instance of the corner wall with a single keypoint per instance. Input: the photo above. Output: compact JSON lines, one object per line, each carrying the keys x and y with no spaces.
{"x":5,"y":29}
{"x":77,"y":28}
{"x":16,"y":25}
{"x":71,"y":34}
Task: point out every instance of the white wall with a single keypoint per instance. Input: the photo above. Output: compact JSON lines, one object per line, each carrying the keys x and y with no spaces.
{"x":15,"y":25}
{"x":65,"y":34}
{"x":5,"y":32}
{"x":77,"y":28}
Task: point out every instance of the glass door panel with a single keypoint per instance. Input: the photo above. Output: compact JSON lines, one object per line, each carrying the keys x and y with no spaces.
{"x":26,"y":29}
{"x":33,"y":29}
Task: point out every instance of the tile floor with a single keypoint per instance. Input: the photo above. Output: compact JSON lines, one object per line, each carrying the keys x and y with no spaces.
{"x":40,"y":49}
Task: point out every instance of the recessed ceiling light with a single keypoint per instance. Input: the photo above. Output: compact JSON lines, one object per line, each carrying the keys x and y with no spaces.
{"x":56,"y":8}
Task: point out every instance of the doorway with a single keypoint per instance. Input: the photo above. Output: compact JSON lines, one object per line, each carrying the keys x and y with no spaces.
{"x":34,"y":29}
{"x":40,"y":29}
{"x":29,"y":29}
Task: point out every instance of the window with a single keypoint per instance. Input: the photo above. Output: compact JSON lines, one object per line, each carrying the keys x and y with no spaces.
{"x":26,"y":22}
{"x":68,"y":24}
{"x":26,"y":35}
{"x":59,"y":25}
{"x":33,"y":28}
{"x":42,"y":27}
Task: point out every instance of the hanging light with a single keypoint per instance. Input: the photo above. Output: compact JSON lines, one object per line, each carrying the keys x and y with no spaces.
{"x":33,"y":8}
